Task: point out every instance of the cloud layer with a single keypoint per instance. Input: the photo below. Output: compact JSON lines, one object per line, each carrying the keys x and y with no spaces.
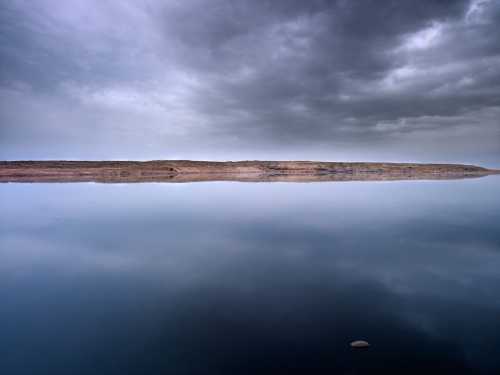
{"x":225,"y":79}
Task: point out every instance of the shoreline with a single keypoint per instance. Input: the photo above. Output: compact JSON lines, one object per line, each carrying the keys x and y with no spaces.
{"x":244,"y":171}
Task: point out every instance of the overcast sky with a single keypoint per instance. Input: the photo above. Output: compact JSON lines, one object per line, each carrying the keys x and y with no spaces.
{"x":224,"y":79}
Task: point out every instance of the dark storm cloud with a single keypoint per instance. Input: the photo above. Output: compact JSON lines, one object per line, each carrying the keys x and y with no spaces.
{"x":223,"y":76}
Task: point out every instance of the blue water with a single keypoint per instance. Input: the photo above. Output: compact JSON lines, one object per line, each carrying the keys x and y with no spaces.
{"x":250,"y":278}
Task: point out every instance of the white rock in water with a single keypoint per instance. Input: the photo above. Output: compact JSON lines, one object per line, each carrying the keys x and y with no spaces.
{"x":360,"y":344}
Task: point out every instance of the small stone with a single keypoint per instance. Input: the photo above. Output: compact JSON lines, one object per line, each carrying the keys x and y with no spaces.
{"x":360,"y":344}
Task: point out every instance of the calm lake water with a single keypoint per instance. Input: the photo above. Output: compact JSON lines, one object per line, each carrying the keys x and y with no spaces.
{"x":250,"y":278}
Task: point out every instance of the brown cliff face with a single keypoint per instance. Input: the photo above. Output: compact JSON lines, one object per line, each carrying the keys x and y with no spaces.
{"x":190,"y":171}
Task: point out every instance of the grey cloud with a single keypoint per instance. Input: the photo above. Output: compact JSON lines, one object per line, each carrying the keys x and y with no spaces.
{"x":197,"y":77}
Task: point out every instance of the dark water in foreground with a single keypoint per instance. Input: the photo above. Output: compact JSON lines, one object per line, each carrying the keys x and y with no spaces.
{"x":235,"y":278}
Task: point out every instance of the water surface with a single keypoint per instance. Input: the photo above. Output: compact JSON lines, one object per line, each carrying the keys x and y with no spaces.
{"x":250,"y":278}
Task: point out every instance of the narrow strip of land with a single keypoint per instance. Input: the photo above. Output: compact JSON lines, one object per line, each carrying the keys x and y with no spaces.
{"x":252,"y":171}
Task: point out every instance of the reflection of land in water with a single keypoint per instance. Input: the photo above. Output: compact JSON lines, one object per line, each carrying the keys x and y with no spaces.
{"x":250,"y":171}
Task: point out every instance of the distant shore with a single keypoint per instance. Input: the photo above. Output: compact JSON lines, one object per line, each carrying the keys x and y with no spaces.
{"x":251,"y":171}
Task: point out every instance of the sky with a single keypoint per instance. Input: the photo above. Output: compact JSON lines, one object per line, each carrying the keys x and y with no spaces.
{"x":230,"y":80}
